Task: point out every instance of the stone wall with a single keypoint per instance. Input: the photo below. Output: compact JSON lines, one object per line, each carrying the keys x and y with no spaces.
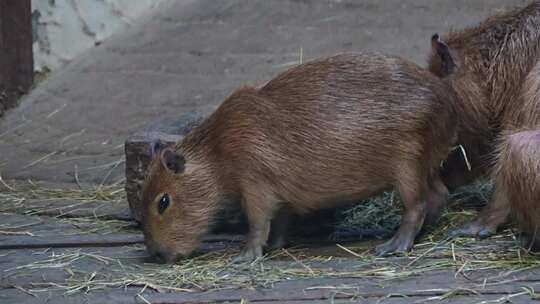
{"x":62,"y":29}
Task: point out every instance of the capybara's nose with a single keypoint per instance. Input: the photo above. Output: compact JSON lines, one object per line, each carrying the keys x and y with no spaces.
{"x":159,"y":258}
{"x":162,"y":257}
{"x":154,"y":257}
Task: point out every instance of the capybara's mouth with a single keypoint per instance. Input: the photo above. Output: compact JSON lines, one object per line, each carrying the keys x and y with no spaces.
{"x":170,"y":258}
{"x":156,"y":259}
{"x":159,"y":258}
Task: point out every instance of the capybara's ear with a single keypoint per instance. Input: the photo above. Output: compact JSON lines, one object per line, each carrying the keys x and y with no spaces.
{"x":442,"y":50}
{"x":172,"y":161}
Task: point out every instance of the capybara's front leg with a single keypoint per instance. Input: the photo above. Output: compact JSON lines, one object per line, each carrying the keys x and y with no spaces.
{"x":489,"y":219}
{"x":412,"y":190}
{"x":259,"y":213}
{"x":280,"y":228}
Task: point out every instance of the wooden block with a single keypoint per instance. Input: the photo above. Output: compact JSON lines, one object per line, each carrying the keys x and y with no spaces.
{"x":16,"y":57}
{"x":138,"y":149}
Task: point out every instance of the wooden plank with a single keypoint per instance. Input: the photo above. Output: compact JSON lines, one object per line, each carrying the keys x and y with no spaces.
{"x":53,"y":240}
{"x":429,"y":286}
{"x":24,"y":231}
{"x":67,"y":208}
{"x":16,"y":58}
{"x":116,"y":296}
{"x":130,"y":296}
{"x":81,"y":240}
{"x":468,"y":299}
{"x":27,"y":267}
{"x":20,"y":231}
{"x":32,"y":268}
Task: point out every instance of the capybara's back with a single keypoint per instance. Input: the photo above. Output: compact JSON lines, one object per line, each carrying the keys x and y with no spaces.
{"x":356,"y":125}
{"x":518,"y":181}
{"x":337,"y":129}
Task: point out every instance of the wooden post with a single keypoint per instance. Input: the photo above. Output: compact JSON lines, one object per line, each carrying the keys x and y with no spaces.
{"x":16,"y":58}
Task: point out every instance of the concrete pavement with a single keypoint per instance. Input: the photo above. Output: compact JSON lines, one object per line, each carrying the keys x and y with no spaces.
{"x":188,"y":55}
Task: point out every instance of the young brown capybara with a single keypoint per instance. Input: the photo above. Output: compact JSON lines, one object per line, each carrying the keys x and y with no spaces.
{"x":336,"y":129}
{"x":494,"y":70}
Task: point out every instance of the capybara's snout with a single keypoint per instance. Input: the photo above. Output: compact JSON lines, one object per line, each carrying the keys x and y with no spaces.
{"x":160,"y":254}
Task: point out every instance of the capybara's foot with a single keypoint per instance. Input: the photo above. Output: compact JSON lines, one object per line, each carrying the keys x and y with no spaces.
{"x":250,"y":254}
{"x":393,"y":246}
{"x":475,"y":229}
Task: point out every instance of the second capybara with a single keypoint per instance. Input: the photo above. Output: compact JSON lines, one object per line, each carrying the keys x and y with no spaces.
{"x":517,"y":183}
{"x":332,"y":130}
{"x":489,"y":66}
{"x":494,"y":68}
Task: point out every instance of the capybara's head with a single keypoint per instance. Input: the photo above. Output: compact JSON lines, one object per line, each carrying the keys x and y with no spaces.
{"x":443,"y":61}
{"x":179,"y":202}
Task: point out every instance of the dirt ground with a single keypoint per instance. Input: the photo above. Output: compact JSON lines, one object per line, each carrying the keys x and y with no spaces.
{"x":187,"y":56}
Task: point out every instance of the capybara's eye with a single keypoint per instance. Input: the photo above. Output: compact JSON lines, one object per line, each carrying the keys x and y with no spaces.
{"x":163,"y":203}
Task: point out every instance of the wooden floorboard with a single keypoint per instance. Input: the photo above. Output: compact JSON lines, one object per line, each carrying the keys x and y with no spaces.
{"x":22,"y":231}
{"x":41,"y":253}
{"x":280,"y":294}
{"x":70,"y":208}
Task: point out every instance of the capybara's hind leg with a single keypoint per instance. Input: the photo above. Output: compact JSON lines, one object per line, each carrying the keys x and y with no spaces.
{"x":436,"y":199}
{"x":489,"y":219}
{"x":412,"y":188}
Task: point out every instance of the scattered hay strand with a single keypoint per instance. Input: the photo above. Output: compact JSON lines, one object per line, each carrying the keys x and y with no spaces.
{"x":38,"y":199}
{"x":17,"y":197}
{"x":37,"y":161}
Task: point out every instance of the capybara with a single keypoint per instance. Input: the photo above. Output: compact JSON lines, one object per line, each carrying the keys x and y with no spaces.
{"x":337,"y":129}
{"x":494,"y":70}
{"x":517,"y":182}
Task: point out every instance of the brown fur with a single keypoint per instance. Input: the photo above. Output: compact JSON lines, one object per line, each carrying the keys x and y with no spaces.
{"x":497,"y":79}
{"x":517,"y":177}
{"x":337,"y":129}
{"x":493,"y":60}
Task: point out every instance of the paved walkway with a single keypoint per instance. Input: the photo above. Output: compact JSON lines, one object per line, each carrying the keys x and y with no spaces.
{"x":188,"y":56}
